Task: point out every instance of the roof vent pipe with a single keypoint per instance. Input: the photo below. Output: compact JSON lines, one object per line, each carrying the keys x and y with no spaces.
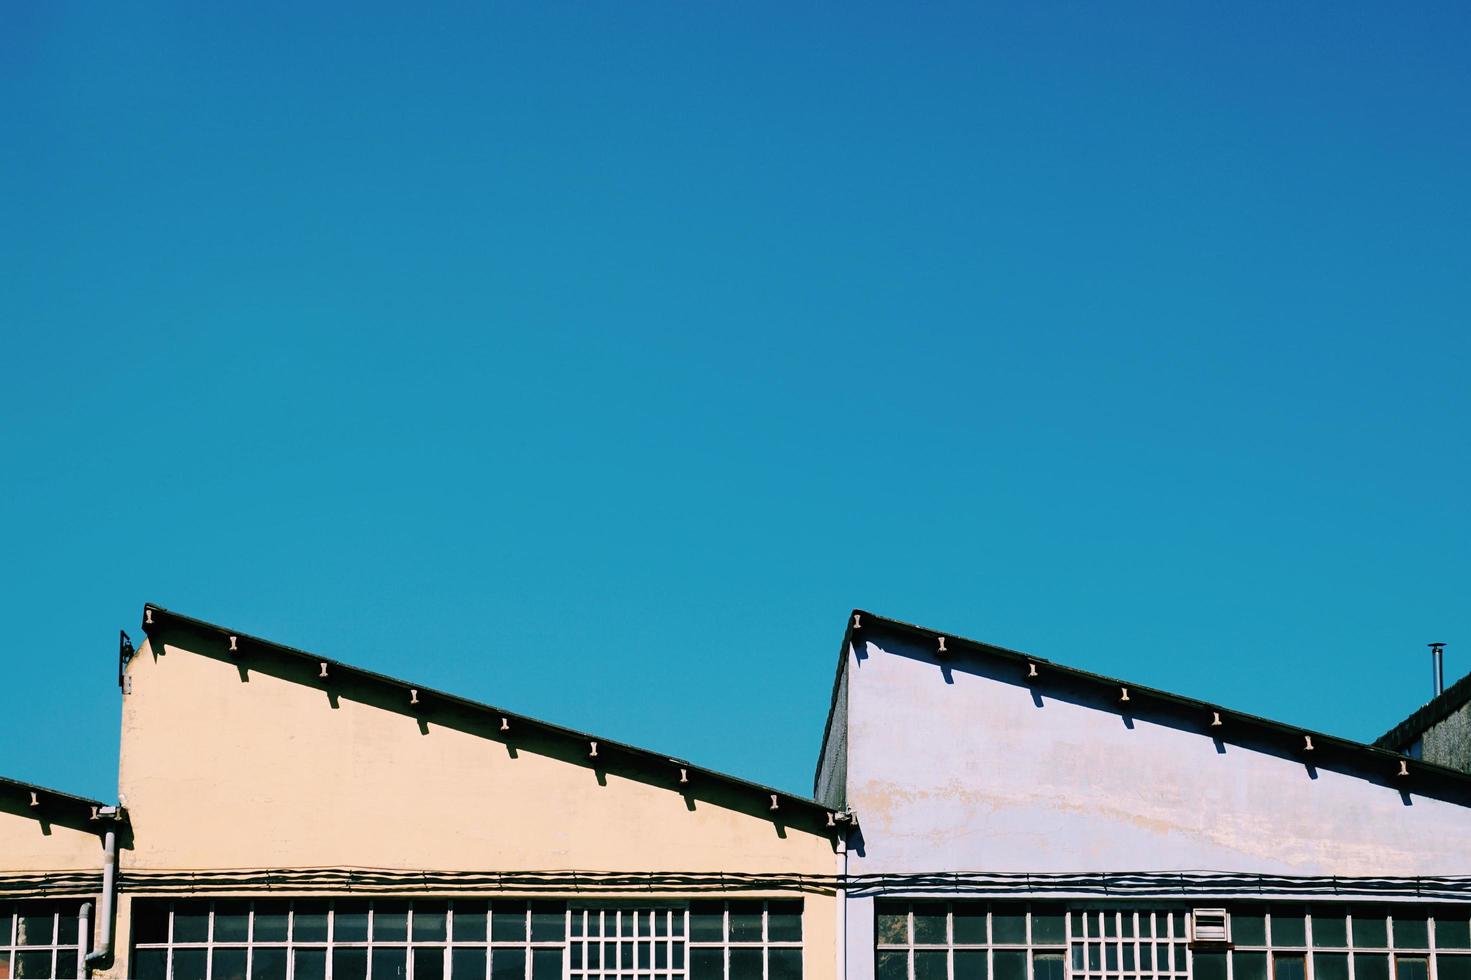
{"x":1437,"y":652}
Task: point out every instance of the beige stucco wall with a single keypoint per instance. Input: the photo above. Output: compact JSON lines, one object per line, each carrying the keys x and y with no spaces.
{"x":30,"y":844}
{"x":220,"y":771}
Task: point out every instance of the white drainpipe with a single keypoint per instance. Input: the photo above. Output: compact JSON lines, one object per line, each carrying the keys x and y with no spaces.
{"x":106,"y":914}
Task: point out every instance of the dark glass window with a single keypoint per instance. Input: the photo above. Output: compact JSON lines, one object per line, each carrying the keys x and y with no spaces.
{"x":1411,"y":968}
{"x":1330,"y":928}
{"x":1411,"y":930}
{"x":1287,"y":966}
{"x":1330,"y":966}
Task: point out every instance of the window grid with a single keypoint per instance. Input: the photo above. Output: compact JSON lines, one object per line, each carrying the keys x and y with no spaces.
{"x":746,"y":940}
{"x":39,"y":939}
{"x":384,"y":939}
{"x":624,"y":944}
{"x":936,"y":940}
{"x":1350,"y":943}
{"x":399,"y":939}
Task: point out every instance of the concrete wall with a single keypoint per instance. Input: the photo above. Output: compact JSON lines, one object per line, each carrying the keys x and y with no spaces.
{"x":951,"y":769}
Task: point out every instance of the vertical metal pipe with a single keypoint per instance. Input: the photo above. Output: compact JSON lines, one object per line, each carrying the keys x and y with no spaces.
{"x":1437,"y":651}
{"x":105,"y":914}
{"x":84,"y":937}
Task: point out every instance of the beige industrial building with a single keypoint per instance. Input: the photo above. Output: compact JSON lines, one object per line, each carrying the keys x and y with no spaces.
{"x":286,"y":815}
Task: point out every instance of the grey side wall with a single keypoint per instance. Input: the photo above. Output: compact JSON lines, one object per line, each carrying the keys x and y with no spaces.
{"x":831,"y":789}
{"x":1448,"y":742}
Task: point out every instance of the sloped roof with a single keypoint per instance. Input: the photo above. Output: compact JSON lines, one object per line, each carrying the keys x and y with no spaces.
{"x":1376,"y":761}
{"x":51,"y":804}
{"x":568,"y":744}
{"x":1428,"y":715}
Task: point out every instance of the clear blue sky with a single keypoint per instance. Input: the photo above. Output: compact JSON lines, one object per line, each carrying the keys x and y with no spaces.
{"x":595,"y":359}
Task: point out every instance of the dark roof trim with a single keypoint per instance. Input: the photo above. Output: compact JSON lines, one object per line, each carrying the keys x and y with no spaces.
{"x":832,"y":706}
{"x":1237,"y":727}
{"x":49,"y":804}
{"x":1427,"y":716}
{"x":778,"y":806}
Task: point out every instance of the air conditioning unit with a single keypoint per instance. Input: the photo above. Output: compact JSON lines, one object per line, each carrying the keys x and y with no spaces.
{"x":1210,"y":927}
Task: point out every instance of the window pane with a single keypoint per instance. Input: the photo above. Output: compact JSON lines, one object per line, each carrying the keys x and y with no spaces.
{"x":1008,"y":926}
{"x":783,"y":922}
{"x":1049,"y":926}
{"x":190,"y":964}
{"x":150,"y":922}
{"x":267,"y":964}
{"x":232,"y":922}
{"x":311,"y":964}
{"x":150,"y":964}
{"x":1289,"y":967}
{"x":1330,"y":928}
{"x":1047,"y":966}
{"x":270,"y":923}
{"x":37,"y":926}
{"x":931,"y":964}
{"x":745,"y":923}
{"x":191,"y":924}
{"x":466,"y":964}
{"x":893,"y":925}
{"x":1288,"y":928}
{"x":1249,"y":927}
{"x":546,"y":964}
{"x":745,"y":964}
{"x":66,"y":928}
{"x":1212,"y":966}
{"x":390,"y":924}
{"x":549,"y":921}
{"x":1370,"y":966}
{"x":707,"y":922}
{"x":1249,"y":966}
{"x":352,"y":964}
{"x":508,"y":922}
{"x":1010,"y":964}
{"x":1410,"y":930}
{"x":428,"y":962}
{"x":1411,"y":968}
{"x":970,"y":964}
{"x":228,"y":963}
{"x":970,"y":923}
{"x":1453,"y":967}
{"x":1330,"y":966}
{"x":429,"y":925}
{"x":309,"y":924}
{"x":784,"y":964}
{"x":891,"y":966}
{"x":929,"y":925}
{"x":390,"y":964}
{"x":469,"y":918}
{"x":506,"y":964}
{"x":350,"y":922}
{"x":1369,"y":930}
{"x":1450,"y":932}
{"x":37,"y":963}
{"x":707,"y":964}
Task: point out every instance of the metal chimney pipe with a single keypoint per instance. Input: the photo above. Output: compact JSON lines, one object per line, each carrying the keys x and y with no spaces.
{"x":1437,"y":651}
